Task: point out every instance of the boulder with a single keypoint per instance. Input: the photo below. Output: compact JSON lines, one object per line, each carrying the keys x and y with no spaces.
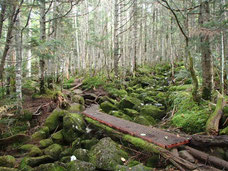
{"x":7,"y":161}
{"x":131,"y":112}
{"x":49,"y":167}
{"x":120,"y":114}
{"x":67,"y":152}
{"x":130,"y":102}
{"x":26,"y":147}
{"x":106,"y":154}
{"x":53,"y":150}
{"x":76,"y":107}
{"x":151,"y":110}
{"x":35,"y":151}
{"x":107,"y":106}
{"x":78,"y":99}
{"x":73,"y":126}
{"x":39,"y":135}
{"x":78,"y":165}
{"x":76,"y":143}
{"x":57,"y":137}
{"x":35,"y":161}
{"x":81,"y":154}
{"x":145,"y":120}
{"x":87,"y":144}
{"x":46,"y":142}
{"x":54,"y":120}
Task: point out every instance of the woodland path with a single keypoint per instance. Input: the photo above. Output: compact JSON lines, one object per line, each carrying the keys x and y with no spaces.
{"x":150,"y":134}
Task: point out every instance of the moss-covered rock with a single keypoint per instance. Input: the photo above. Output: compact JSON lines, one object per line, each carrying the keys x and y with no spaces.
{"x":35,"y":161}
{"x":78,"y":99}
{"x":35,"y":151}
{"x":55,"y":119}
{"x":49,"y":167}
{"x":87,"y":144}
{"x":78,"y":165}
{"x":81,"y":154}
{"x":46,"y":142}
{"x":39,"y":135}
{"x":76,"y":143}
{"x":181,"y":87}
{"x":53,"y":150}
{"x":131,"y":112}
{"x":120,"y":114}
{"x":67,"y":152}
{"x":106,"y":98}
{"x":26,"y":147}
{"x":57,"y":137}
{"x":76,"y":107}
{"x":224,"y":131}
{"x":106,"y":154}
{"x":153,"y":161}
{"x":145,"y":120}
{"x":129,"y":102}
{"x":73,"y":126}
{"x":7,"y":161}
{"x":7,"y":169}
{"x":139,"y":167}
{"x":151,"y":110}
{"x":65,"y":159}
{"x":107,"y":106}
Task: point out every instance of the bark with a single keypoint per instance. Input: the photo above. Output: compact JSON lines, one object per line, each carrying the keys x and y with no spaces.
{"x":206,"y":57}
{"x":18,"y":42}
{"x":43,"y":38}
{"x":134,"y":60}
{"x":2,"y":15}
{"x":212,"y":125}
{"x":116,"y":39}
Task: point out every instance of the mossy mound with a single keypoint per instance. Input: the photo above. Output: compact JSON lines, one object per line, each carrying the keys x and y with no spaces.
{"x":151,"y":110}
{"x":35,"y":151}
{"x":130,"y":102}
{"x":107,"y":106}
{"x":39,"y":135}
{"x":57,"y":137}
{"x":73,"y":126}
{"x":224,"y":131}
{"x":88,"y":144}
{"x":81,"y":154}
{"x":120,"y":114}
{"x":67,"y":152}
{"x":106,"y":154}
{"x":26,"y":147}
{"x":35,"y":161}
{"x":145,"y":120}
{"x":78,"y":99}
{"x":49,"y":167}
{"x":46,"y":142}
{"x":55,"y":119}
{"x":7,"y":161}
{"x":190,"y":116}
{"x":7,"y":169}
{"x":76,"y":107}
{"x":78,"y":165}
{"x":139,"y":167}
{"x":131,"y":112}
{"x":53,"y":150}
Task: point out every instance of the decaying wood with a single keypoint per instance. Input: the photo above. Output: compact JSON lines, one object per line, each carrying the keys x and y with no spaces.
{"x":15,"y":138}
{"x":212,"y":125}
{"x":177,"y":161}
{"x":209,"y":140}
{"x":222,"y":164}
{"x":45,"y":108}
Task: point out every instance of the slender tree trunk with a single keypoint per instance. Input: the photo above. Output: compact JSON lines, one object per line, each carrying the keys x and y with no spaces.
{"x":18,"y":42}
{"x":2,"y":15}
{"x":116,"y":39}
{"x":206,"y":57}
{"x":43,"y":38}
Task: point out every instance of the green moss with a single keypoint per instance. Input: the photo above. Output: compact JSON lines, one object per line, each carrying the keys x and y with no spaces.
{"x":35,"y":161}
{"x":26,"y":147}
{"x":26,"y":115}
{"x":46,"y":142}
{"x":54,"y":119}
{"x":88,"y":144}
{"x":132,"y":163}
{"x":145,"y":120}
{"x":78,"y":165}
{"x":139,"y":167}
{"x":81,"y":154}
{"x":120,"y":114}
{"x":7,"y":169}
{"x":114,"y":92}
{"x":91,"y":82}
{"x":67,"y":152}
{"x":129,"y":102}
{"x":57,"y":137}
{"x":49,"y":167}
{"x":76,"y":143}
{"x":7,"y":161}
{"x":73,"y":126}
{"x":53,"y":150}
{"x":181,"y":87}
{"x":76,"y":107}
{"x":131,"y":112}
{"x":78,"y":99}
{"x":190,"y":116}
{"x":39,"y":135}
{"x":151,"y":110}
{"x":35,"y":151}
{"x":106,"y":154}
{"x":107,"y":106}
{"x":153,"y":161}
{"x":224,"y":131}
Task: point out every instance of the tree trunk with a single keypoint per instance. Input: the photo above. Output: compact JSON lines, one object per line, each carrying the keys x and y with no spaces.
{"x":116,"y":38}
{"x":206,"y":57}
{"x":43,"y":38}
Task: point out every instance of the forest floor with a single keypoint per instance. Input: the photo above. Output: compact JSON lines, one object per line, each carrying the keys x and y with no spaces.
{"x":147,"y":99}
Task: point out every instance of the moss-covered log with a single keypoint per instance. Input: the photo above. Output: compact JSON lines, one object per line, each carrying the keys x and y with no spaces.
{"x":180,"y":163}
{"x":212,"y":125}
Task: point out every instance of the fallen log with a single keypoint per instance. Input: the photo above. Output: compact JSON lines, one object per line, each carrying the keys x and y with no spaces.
{"x":222,"y":164}
{"x":177,"y":161}
{"x":208,"y":141}
{"x":212,"y":125}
